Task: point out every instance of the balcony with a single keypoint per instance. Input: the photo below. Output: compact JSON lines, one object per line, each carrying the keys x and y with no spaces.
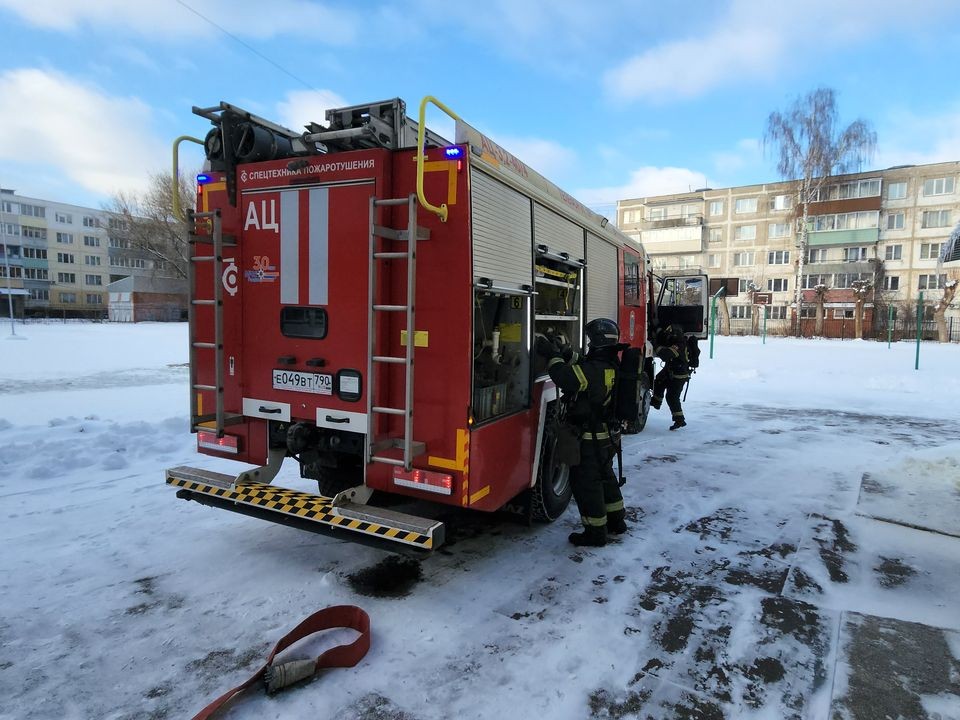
{"x":672,"y":222}
{"x":825,"y":238}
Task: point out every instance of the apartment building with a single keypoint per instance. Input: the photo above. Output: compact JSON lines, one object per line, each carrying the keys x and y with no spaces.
{"x":886,"y":226}
{"x":60,"y":257}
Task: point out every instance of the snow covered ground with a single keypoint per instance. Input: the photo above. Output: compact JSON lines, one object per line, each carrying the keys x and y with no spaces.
{"x":754,"y":581}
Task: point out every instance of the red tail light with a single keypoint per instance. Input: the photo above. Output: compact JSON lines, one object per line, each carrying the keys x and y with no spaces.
{"x":425,"y":480}
{"x":210,"y":441}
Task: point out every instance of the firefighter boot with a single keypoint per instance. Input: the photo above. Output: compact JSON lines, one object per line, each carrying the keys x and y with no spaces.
{"x":592,"y":536}
{"x":678,"y":423}
{"x":656,"y":402}
{"x":616,"y":522}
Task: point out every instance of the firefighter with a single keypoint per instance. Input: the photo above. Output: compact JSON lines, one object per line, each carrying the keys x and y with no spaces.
{"x":588,"y":393}
{"x":672,"y":350}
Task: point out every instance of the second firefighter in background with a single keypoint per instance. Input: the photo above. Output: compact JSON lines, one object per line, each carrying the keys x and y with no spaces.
{"x":588,"y":384}
{"x":673,"y":351}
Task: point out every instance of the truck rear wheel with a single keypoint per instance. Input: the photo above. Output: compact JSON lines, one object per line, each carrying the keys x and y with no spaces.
{"x":331,"y":481}
{"x":646,"y":395}
{"x":551,"y":494}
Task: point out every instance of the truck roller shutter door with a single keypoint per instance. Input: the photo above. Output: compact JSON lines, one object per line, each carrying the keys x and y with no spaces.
{"x":557,"y":233}
{"x":502,"y":243}
{"x":601,"y":279}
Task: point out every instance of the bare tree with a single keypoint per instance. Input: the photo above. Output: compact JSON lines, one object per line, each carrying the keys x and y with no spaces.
{"x":810,"y":148}
{"x":950,"y":248}
{"x":147,"y":222}
{"x":752,"y":290}
{"x":820,"y":293}
{"x":862,"y":291}
{"x":724,"y":314}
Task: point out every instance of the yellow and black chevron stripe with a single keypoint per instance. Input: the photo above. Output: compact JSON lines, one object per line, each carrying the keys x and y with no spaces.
{"x":303,"y":505}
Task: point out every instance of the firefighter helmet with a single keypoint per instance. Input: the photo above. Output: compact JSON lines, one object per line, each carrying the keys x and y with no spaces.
{"x":602,"y":332}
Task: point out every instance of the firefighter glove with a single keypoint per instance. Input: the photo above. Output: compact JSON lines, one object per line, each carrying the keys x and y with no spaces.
{"x":545,"y":348}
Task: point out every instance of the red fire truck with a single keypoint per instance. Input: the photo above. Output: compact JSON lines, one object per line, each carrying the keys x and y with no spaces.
{"x":364,"y":299}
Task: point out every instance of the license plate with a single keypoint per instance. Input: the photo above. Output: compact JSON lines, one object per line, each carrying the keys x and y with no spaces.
{"x":319,"y":383}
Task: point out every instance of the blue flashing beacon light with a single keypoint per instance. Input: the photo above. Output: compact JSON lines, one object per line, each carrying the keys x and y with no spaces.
{"x":203,"y":179}
{"x":453,"y":152}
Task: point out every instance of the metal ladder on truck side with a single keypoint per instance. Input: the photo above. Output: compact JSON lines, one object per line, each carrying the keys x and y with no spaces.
{"x":219,"y":417}
{"x":374,"y":446}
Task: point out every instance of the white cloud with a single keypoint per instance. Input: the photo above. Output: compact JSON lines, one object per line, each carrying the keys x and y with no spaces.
{"x":746,"y":153}
{"x":300,"y":107}
{"x":757,"y":40}
{"x":547,"y":157}
{"x":919,"y":139}
{"x":645,"y":182}
{"x":174,"y":19}
{"x":101,"y":142}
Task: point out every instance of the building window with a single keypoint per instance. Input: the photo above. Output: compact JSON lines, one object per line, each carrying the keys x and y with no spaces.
{"x":776,"y":312}
{"x":118,"y":243}
{"x":91,"y":241}
{"x":935,"y":219}
{"x":36,"y":273}
{"x":817,"y":255}
{"x":93,"y":279}
{"x":716,"y":208}
{"x":931,"y":282}
{"x":715,"y":235}
{"x":13,"y":250}
{"x":741,"y":312}
{"x":896,"y":191}
{"x":91,"y":260}
{"x":35,"y":253}
{"x":895,"y":221}
{"x":15,"y":271}
{"x":38,"y":294}
{"x":37,"y":211}
{"x":68,"y":298}
{"x":929,"y":251}
{"x":745,"y":205}
{"x":94,"y":299}
{"x":117,"y":224}
{"x":65,"y":238}
{"x":854,"y":254}
{"x":89,"y":221}
{"x":10,"y":229}
{"x":64,"y":218}
{"x":713,"y":260}
{"x":67,"y":278}
{"x":846,"y":221}
{"x":777,"y":284}
{"x":8,"y":207}
{"x":778,"y":230}
{"x":65,"y":258}
{"x":34,"y":232}
{"x":808,"y":312}
{"x":843,"y":313}
{"x":743,"y":258}
{"x":938,"y":186}
{"x":781,"y":202}
{"x":846,"y":280}
{"x":656,"y":213}
{"x":893,"y":252}
{"x":891,"y":282}
{"x":745,"y":232}
{"x":743,"y":285}
{"x":778,"y":257}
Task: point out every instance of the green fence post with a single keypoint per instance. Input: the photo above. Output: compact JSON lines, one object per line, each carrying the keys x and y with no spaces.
{"x":713,"y":316}
{"x":889,"y":324}
{"x":916,"y":364}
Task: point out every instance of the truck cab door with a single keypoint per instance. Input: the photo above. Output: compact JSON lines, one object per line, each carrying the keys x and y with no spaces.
{"x":683,"y":300}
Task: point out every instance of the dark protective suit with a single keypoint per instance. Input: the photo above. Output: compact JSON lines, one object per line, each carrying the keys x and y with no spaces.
{"x":587,"y":384}
{"x":672,"y":349}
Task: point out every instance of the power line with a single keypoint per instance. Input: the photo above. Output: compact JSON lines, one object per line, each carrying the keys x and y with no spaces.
{"x":248,"y":47}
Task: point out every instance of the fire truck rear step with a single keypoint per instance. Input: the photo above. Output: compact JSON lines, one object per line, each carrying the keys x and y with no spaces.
{"x":370,"y":525}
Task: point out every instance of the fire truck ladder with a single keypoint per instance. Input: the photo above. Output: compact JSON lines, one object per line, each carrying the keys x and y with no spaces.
{"x":411,"y":448}
{"x":219,"y":418}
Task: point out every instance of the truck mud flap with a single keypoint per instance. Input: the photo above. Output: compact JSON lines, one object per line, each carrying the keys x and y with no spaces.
{"x":350,"y":521}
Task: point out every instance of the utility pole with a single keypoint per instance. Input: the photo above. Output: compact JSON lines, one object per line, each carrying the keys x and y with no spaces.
{"x":6,"y":265}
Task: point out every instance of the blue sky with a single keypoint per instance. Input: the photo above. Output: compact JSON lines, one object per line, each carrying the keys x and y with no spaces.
{"x":610,"y":99}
